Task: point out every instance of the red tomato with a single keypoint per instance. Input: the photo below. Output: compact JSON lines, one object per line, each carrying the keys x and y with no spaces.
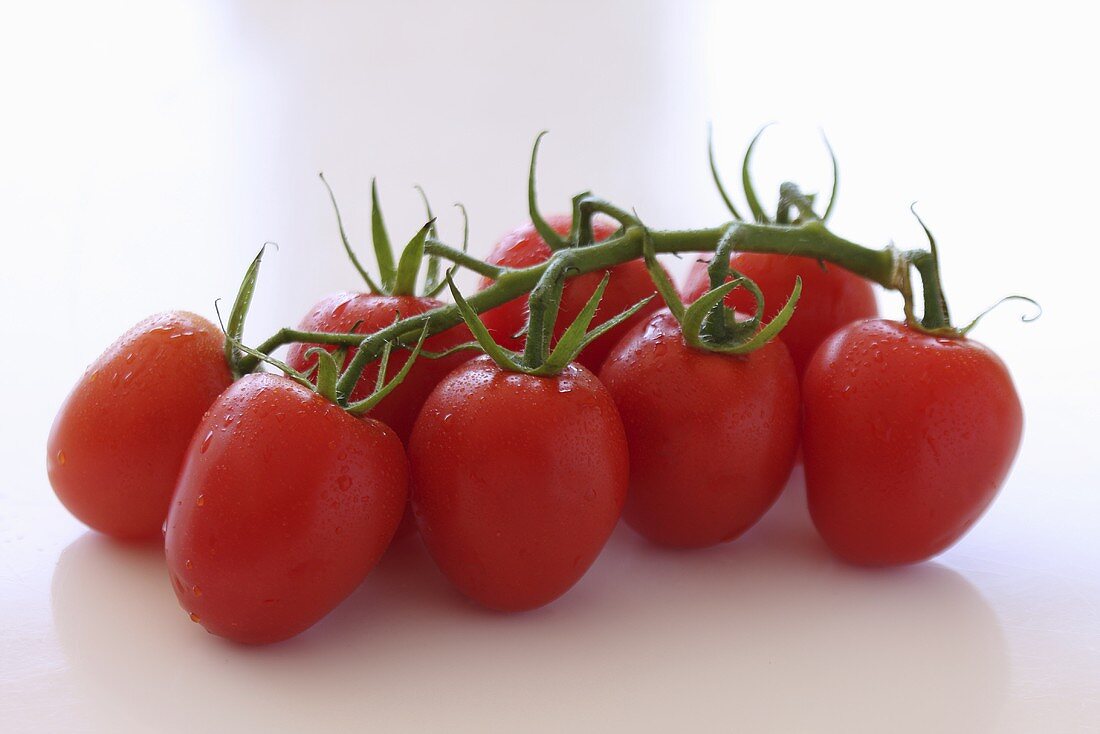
{"x":340,"y":311}
{"x":284,"y":503}
{"x":831,"y":297}
{"x":907,"y":438}
{"x":712,"y":437}
{"x":117,"y":443}
{"x":629,"y":283}
{"x":517,"y":481}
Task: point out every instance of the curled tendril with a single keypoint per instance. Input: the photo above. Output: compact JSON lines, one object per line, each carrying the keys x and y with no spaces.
{"x":1026,"y":318}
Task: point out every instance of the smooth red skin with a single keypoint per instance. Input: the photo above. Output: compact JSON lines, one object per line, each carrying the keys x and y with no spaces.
{"x":629,"y":283}
{"x":906,"y":437}
{"x":712,"y":437}
{"x":117,"y":443}
{"x":284,"y":504}
{"x":831,"y":297}
{"x":340,"y":311}
{"x":517,"y":481}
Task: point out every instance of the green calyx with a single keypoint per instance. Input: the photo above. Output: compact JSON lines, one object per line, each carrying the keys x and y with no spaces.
{"x":324,"y":376}
{"x":398,"y":279}
{"x":708,"y":324}
{"x":538,"y":358}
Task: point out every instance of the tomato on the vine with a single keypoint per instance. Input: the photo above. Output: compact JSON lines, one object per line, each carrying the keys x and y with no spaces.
{"x":907,"y":438}
{"x":284,"y":504}
{"x":831,"y":296}
{"x":117,"y":443}
{"x":524,"y":247}
{"x":712,"y":437}
{"x":341,"y":311}
{"x":517,"y":480}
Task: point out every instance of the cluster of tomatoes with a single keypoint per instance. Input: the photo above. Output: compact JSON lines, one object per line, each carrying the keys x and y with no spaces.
{"x":275,"y":503}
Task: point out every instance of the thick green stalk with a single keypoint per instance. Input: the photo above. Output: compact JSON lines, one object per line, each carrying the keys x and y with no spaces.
{"x":811,"y":239}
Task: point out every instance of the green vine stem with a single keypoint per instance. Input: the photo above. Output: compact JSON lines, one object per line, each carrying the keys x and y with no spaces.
{"x":888,"y":267}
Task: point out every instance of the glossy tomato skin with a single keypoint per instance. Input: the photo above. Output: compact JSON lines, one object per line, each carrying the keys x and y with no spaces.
{"x":284,"y":504}
{"x":340,"y":312}
{"x":629,"y":283}
{"x":831,"y":297}
{"x":117,"y":443}
{"x":907,"y":438}
{"x":712,"y":437}
{"x":517,"y":481}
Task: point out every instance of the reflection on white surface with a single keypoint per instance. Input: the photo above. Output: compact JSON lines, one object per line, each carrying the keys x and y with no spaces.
{"x":147,"y":150}
{"x":770,"y":633}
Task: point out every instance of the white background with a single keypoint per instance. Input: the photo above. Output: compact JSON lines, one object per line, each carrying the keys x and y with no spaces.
{"x":148,"y":149}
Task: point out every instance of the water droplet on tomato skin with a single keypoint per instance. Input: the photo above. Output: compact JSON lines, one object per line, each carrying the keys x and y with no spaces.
{"x":339,"y":308}
{"x":194,"y":617}
{"x":206,"y":442}
{"x":187,"y":564}
{"x":200,"y":500}
{"x":196,"y":591}
{"x":61,"y":458}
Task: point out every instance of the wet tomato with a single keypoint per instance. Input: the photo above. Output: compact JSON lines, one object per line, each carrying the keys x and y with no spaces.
{"x":712,"y":437}
{"x":907,"y":438}
{"x":116,"y":446}
{"x":284,"y":504}
{"x":517,"y":480}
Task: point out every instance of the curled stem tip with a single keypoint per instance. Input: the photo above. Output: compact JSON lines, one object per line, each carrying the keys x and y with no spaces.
{"x":1027,"y":318}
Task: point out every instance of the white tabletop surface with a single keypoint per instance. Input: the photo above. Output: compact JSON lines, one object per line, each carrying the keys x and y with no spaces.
{"x":147,"y":150}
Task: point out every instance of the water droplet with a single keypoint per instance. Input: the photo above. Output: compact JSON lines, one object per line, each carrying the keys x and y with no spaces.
{"x":196,"y":591}
{"x":129,"y":358}
{"x":229,"y":418}
{"x":175,"y":336}
{"x":194,"y":617}
{"x":61,"y":458}
{"x":200,"y":500}
{"x":206,"y":442}
{"x":114,"y":379}
{"x":343,"y":483}
{"x":188,"y":564}
{"x":446,"y":417}
{"x":127,"y":376}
